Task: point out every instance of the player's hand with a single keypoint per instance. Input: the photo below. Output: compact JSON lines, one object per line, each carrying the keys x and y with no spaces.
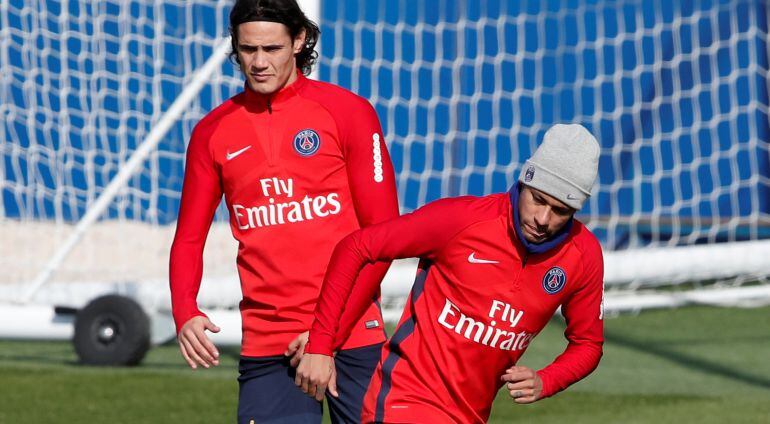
{"x":315,"y":374}
{"x":195,"y":345}
{"x":296,"y":349}
{"x":523,"y":383}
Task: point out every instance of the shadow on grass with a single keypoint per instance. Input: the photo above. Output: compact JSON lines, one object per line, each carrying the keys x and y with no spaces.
{"x":688,"y":361}
{"x":725,"y":339}
{"x":165,"y":357}
{"x":232,"y":352}
{"x":37,"y":351}
{"x":172,"y":359}
{"x":685,"y":360}
{"x":40,"y":359}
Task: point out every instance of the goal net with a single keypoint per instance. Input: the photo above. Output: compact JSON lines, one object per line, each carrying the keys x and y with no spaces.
{"x":676,"y":93}
{"x":82,"y":86}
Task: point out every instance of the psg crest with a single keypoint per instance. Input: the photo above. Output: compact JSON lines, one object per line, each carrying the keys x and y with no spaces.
{"x":554,"y":280}
{"x":307,"y":142}
{"x":529,"y":174}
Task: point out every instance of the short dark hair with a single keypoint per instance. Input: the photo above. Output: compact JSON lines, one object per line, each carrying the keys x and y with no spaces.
{"x":286,"y":12}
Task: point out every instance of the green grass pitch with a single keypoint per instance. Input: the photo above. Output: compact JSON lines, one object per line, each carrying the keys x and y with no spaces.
{"x":691,"y":365}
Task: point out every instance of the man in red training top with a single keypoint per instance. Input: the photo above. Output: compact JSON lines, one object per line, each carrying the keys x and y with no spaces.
{"x":301,"y":165}
{"x":493,"y":271}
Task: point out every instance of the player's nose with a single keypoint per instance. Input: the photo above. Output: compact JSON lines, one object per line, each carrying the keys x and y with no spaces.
{"x":259,"y":61}
{"x":542,"y":217}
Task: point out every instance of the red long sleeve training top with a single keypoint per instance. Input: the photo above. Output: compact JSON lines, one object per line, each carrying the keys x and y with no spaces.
{"x":299,"y":171}
{"x":478,"y":300}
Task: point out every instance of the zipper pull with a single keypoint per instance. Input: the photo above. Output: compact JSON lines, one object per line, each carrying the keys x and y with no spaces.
{"x":269,"y":106}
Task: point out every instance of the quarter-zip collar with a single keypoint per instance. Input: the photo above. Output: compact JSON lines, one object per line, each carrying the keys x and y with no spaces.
{"x":535,"y":248}
{"x":277,"y":100}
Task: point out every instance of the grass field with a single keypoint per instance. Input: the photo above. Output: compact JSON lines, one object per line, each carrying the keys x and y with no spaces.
{"x":692,"y":365}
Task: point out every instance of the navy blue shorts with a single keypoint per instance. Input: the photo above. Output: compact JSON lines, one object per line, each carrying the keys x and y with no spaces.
{"x":267,"y":393}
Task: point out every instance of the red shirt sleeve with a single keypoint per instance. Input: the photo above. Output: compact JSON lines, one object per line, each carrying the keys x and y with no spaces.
{"x":370,"y":173}
{"x":201,"y":194}
{"x":372,"y":185}
{"x":584,"y":332}
{"x":422,"y":233}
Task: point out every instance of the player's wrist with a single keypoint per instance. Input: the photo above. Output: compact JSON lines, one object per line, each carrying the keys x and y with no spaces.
{"x":546,"y":390}
{"x":182,"y":317}
{"x":320,"y":344}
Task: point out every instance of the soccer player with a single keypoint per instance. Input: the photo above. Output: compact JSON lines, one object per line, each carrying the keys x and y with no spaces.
{"x":301,"y":164}
{"x":493,"y":271}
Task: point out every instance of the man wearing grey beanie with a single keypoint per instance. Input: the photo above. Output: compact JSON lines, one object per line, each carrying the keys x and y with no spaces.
{"x":492,"y":273}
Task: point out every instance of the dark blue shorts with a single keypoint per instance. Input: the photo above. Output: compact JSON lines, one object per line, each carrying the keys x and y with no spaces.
{"x":267,"y":393}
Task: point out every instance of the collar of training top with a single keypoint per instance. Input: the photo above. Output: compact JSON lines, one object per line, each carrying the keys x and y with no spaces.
{"x":535,"y":247}
{"x":279,"y":98}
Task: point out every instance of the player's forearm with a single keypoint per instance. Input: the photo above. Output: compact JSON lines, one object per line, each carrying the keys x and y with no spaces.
{"x":185,"y":271}
{"x":201,"y":194}
{"x":346,"y":262}
{"x":577,"y":362}
{"x":364,"y":292}
{"x":421,"y":233}
{"x":186,"y":259}
{"x":584,"y":332}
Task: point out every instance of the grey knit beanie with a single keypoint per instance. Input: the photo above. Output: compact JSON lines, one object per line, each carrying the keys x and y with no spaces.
{"x":565,"y":164}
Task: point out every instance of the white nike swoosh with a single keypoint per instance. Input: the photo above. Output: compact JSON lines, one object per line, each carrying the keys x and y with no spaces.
{"x":472,"y":259}
{"x":571,"y":197}
{"x":234,"y":154}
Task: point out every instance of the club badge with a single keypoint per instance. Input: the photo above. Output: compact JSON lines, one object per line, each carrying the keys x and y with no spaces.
{"x":554,"y":280}
{"x":307,"y":142}
{"x":529,"y":174}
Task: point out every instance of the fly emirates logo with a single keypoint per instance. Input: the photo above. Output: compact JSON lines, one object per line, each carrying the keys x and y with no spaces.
{"x":247,"y":217}
{"x":488,"y":334}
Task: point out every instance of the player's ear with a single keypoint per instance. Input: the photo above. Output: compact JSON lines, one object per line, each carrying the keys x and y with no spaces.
{"x":299,"y":41}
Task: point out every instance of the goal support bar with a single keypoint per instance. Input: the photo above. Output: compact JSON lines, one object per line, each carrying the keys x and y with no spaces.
{"x":134,"y":163}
